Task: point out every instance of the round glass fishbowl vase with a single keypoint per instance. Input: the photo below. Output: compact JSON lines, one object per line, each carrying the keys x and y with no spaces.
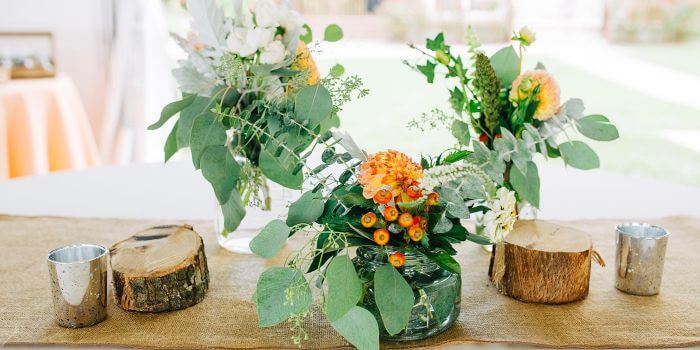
{"x":436,"y":292}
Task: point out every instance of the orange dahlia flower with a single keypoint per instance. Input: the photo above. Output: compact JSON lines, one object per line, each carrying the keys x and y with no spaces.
{"x":392,"y":170}
{"x":305,"y":63}
{"x":547,"y":96}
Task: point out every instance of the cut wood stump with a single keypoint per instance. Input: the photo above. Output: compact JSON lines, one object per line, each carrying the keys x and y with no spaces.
{"x":541,"y":262}
{"x":159,"y":269}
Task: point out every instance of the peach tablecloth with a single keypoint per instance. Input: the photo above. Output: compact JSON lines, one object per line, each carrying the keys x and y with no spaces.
{"x":43,"y":128}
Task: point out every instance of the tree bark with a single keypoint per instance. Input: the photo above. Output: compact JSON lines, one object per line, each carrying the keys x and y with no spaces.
{"x":163,"y":268}
{"x":541,"y":262}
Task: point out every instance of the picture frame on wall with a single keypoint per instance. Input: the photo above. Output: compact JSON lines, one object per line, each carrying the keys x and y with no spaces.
{"x":27,"y":55}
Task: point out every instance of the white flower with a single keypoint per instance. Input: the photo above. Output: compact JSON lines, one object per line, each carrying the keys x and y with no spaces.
{"x":273,"y":53}
{"x":499,"y":221}
{"x":246,"y":41}
{"x":267,"y":14}
{"x":274,"y":89}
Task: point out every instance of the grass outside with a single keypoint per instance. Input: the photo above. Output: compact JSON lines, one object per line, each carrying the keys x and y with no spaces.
{"x":398,"y":95}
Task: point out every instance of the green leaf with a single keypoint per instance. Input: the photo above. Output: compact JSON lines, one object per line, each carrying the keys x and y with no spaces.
{"x":460,"y":130}
{"x":306,"y":209}
{"x":359,"y":328}
{"x":333,"y":33}
{"x":579,"y":155}
{"x":428,"y":70}
{"x":221,"y":170}
{"x":170,"y":110}
{"x":271,"y":239}
{"x":281,"y":292}
{"x":280,"y":170}
{"x":445,"y":261}
{"x":527,"y":185}
{"x":435,"y":44}
{"x":308,"y":35}
{"x":201,"y":105}
{"x":284,"y":72}
{"x":597,"y":127}
{"x":233,"y":211}
{"x":207,"y":131}
{"x":313,"y":104}
{"x":394,"y":298}
{"x":170,"y":147}
{"x":505,"y":63}
{"x":479,"y":239}
{"x":443,"y":301}
{"x":337,"y":70}
{"x":344,"y":287}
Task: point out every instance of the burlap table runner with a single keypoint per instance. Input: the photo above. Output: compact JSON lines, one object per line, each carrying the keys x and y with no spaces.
{"x":227,"y":319}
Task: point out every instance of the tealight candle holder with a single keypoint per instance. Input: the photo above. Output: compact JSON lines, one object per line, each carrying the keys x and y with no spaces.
{"x":639,"y":258}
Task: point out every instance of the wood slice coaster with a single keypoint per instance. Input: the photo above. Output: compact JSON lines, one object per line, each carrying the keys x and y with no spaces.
{"x":160,"y":269}
{"x":541,"y":262}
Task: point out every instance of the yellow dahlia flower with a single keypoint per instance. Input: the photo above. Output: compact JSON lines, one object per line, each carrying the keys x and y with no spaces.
{"x":305,"y":63}
{"x":392,"y":170}
{"x":547,"y":96}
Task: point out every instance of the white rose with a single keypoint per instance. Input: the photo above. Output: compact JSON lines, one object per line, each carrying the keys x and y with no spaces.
{"x":237,"y":43}
{"x":273,"y":53}
{"x":259,"y":37}
{"x":266,"y":14}
{"x":274,"y":89}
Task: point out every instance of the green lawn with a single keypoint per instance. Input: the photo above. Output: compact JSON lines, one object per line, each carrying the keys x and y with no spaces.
{"x":682,"y":56}
{"x":398,"y":95}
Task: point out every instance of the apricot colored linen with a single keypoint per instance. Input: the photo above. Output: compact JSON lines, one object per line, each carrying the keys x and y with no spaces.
{"x":43,"y":128}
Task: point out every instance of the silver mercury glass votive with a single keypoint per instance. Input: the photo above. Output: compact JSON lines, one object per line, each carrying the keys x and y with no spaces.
{"x":639,"y":258}
{"x":79,"y":284}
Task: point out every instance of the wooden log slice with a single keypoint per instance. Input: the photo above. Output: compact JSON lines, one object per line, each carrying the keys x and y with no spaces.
{"x":541,"y":262}
{"x":160,"y":269}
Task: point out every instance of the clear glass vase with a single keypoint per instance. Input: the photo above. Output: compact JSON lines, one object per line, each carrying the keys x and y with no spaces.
{"x":436,"y":292}
{"x":270,"y":208}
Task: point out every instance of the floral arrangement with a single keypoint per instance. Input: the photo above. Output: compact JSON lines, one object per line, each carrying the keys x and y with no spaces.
{"x":394,"y":210}
{"x":254,"y":105}
{"x":503,"y":116}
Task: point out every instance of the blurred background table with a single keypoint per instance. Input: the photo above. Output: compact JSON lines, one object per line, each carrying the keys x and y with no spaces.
{"x":176,"y":191}
{"x":43,"y":128}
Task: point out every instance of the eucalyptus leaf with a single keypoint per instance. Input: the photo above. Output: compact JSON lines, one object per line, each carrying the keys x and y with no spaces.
{"x":170,"y":110}
{"x":444,"y":300}
{"x":460,"y":131}
{"x":308,"y":35}
{"x":527,"y":185}
{"x":344,"y":287}
{"x":333,"y":33}
{"x":221,"y":170}
{"x":313,"y":104}
{"x":271,"y":239}
{"x":280,"y":169}
{"x":306,"y":209}
{"x":200,"y":106}
{"x":597,"y":127}
{"x":394,"y":298}
{"x":207,"y":130}
{"x":579,"y":155}
{"x":170,"y":147}
{"x":233,"y":211}
{"x":359,"y":327}
{"x":505,"y":62}
{"x":337,"y":70}
{"x":443,"y":225}
{"x":280,"y":293}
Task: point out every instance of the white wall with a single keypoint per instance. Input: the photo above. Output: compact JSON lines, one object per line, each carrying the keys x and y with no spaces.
{"x":82,"y":33}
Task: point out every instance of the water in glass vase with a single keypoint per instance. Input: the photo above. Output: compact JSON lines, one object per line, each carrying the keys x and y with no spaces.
{"x":436,"y":292}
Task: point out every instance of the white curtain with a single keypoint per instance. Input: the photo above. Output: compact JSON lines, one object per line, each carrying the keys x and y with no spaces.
{"x":139,"y":83}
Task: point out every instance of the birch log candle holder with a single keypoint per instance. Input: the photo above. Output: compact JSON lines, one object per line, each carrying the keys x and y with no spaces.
{"x":160,"y":269}
{"x":541,"y":262}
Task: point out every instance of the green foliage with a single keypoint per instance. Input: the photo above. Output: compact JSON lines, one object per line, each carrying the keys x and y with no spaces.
{"x":487,"y":88}
{"x":170,"y":110}
{"x":579,"y":155}
{"x":308,"y":35}
{"x":337,"y":70}
{"x":527,"y":185}
{"x":271,"y":239}
{"x":221,"y":170}
{"x":170,"y":147}
{"x":200,"y":106}
{"x":428,"y":69}
{"x":460,"y":130}
{"x":306,"y":209}
{"x":281,"y":170}
{"x":233,"y":211}
{"x":445,"y":261}
{"x":359,"y":327}
{"x":312,"y":105}
{"x":394,"y":298}
{"x":333,"y":33}
{"x":344,"y":287}
{"x":505,"y":64}
{"x":597,"y":127}
{"x":281,"y":292}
